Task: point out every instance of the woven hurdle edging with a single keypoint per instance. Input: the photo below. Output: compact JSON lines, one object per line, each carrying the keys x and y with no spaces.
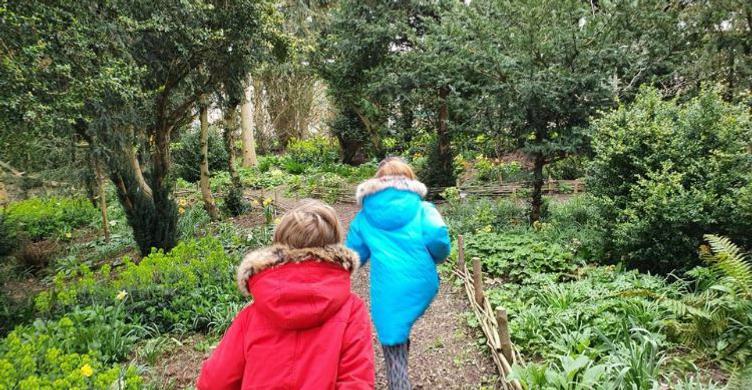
{"x":494,"y":324}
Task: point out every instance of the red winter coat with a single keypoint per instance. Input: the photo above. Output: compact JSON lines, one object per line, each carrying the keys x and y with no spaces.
{"x":304,"y":330}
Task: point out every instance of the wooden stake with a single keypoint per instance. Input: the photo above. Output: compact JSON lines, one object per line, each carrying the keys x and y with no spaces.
{"x":477,"y":281}
{"x":576,"y":186}
{"x":461,"y":252}
{"x":506,"y":341}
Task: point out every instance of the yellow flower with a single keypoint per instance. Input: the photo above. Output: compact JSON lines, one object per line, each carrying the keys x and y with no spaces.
{"x":181,"y":210}
{"x":121,"y":295}
{"x":276,"y":221}
{"x":68,"y":235}
{"x":267,"y":202}
{"x":255,"y":203}
{"x":86,"y":370}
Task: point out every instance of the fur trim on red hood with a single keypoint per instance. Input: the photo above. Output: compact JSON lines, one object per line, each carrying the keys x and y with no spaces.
{"x":276,"y":255}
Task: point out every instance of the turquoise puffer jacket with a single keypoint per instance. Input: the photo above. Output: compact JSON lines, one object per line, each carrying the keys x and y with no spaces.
{"x":404,"y":237}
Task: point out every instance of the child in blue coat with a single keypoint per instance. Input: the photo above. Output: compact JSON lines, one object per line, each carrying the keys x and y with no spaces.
{"x":404,"y":237}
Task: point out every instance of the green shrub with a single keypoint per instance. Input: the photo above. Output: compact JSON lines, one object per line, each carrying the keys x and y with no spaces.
{"x":186,"y":154}
{"x":518,"y":256}
{"x":665,"y":173}
{"x":40,"y":218}
{"x":193,"y":222}
{"x":568,"y":168}
{"x":74,"y":352}
{"x":176,"y":290}
{"x":310,"y":151}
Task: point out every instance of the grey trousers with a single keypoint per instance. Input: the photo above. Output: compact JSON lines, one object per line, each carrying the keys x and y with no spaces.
{"x":396,"y":366}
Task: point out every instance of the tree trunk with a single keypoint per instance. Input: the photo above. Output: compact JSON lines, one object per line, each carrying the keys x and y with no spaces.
{"x":102,"y":197}
{"x":537,"y":199}
{"x":246,"y":125}
{"x":206,"y":194}
{"x":443,"y":142}
{"x":230,"y":119}
{"x":136,"y":166}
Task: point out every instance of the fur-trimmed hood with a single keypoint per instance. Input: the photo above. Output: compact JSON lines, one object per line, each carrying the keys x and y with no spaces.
{"x":276,"y":255}
{"x":372,"y":186}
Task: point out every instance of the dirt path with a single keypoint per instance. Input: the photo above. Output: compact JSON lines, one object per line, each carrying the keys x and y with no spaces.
{"x":444,"y":351}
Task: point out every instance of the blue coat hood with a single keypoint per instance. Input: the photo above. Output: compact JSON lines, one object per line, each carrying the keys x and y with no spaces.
{"x":404,"y":237}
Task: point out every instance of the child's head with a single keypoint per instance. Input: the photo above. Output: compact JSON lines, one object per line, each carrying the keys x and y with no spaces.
{"x":310,"y":224}
{"x":395,"y":166}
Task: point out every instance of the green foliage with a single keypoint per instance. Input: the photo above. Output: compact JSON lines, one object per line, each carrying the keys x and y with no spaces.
{"x":186,"y":154}
{"x":519,"y":256}
{"x":715,"y":312}
{"x":39,"y":218}
{"x":8,"y":239}
{"x":76,"y":351}
{"x":314,"y":151}
{"x":193,"y":222}
{"x":576,"y":223}
{"x":471,"y":215}
{"x":170,"y":291}
{"x":665,"y":173}
{"x":234,"y":201}
{"x":569,"y":168}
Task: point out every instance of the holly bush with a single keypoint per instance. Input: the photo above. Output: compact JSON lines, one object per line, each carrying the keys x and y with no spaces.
{"x":666,"y":172}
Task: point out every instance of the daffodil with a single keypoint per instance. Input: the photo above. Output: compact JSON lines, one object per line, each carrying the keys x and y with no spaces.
{"x":86,"y":370}
{"x":267,"y":202}
{"x":276,"y":221}
{"x":121,"y":295}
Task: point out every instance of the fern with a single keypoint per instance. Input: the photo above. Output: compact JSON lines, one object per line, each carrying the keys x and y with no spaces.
{"x":728,"y":260}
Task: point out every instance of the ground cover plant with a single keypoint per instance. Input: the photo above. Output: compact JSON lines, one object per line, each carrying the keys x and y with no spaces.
{"x":581,"y":325}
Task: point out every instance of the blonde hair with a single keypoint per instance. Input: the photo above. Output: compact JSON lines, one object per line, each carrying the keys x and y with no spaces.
{"x":395,"y":166}
{"x":310,"y":224}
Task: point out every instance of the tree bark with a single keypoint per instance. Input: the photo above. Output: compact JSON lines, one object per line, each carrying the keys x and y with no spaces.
{"x":136,"y":166}
{"x":443,"y":140}
{"x":230,"y":119}
{"x":102,"y":198}
{"x":537,"y":199}
{"x":206,"y":194}
{"x":246,"y":126}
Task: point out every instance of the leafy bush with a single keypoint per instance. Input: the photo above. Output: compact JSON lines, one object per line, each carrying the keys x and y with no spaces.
{"x":186,"y":154}
{"x":310,"y":151}
{"x":40,"y":218}
{"x":75,"y":351}
{"x":665,"y":173}
{"x":518,"y":256}
{"x":488,"y":170}
{"x":568,"y":168}
{"x":176,"y":290}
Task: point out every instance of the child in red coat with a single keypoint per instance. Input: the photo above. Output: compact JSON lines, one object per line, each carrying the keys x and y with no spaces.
{"x":305,"y":328}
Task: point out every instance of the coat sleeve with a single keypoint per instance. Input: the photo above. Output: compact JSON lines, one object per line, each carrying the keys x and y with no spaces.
{"x":224,"y":368}
{"x":435,"y":233}
{"x":356,"y":363}
{"x":355,"y":240}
